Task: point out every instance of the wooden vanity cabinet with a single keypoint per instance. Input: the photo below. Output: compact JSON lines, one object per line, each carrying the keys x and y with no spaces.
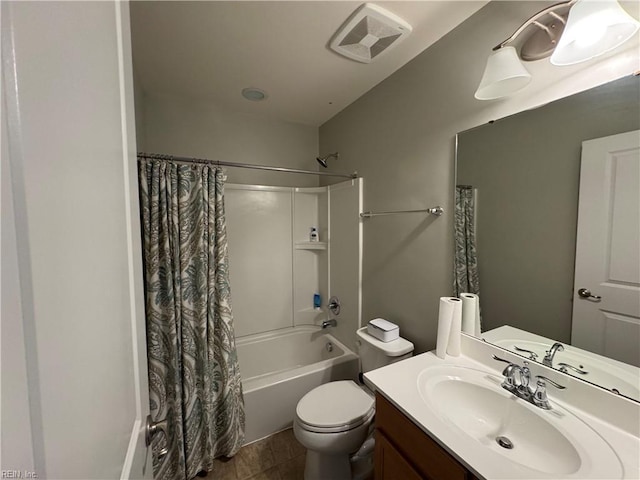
{"x":404,"y":452}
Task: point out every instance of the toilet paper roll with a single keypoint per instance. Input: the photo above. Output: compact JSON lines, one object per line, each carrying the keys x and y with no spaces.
{"x":470,"y":314}
{"x":469,"y":306}
{"x":449,"y":321}
{"x":456,"y":330}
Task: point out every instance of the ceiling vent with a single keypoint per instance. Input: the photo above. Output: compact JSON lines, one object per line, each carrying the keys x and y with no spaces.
{"x":370,"y":31}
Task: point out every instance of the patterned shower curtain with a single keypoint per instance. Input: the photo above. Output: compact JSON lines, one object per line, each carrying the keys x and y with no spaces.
{"x":194,"y":378}
{"x":465,"y":261}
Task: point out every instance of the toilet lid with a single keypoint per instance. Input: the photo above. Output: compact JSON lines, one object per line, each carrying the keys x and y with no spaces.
{"x":335,"y":404}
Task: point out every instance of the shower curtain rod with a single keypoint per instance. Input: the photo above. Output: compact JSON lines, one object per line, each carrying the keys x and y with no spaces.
{"x":220,"y":163}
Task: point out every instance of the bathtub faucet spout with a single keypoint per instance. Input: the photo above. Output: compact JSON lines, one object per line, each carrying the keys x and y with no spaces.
{"x":329,"y":323}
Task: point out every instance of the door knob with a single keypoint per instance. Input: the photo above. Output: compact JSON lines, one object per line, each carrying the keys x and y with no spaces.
{"x":151,"y":429}
{"x":586,"y":293}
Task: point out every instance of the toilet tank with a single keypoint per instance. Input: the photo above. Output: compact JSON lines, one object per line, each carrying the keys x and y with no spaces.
{"x":375,"y":354}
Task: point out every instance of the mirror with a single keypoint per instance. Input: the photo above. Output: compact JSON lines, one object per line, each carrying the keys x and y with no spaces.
{"x":523,"y":174}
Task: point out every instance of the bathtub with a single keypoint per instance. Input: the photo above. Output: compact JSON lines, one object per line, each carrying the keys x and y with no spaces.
{"x":279,"y":367}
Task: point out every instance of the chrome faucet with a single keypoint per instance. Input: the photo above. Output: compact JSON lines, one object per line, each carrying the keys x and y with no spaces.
{"x":548,"y":358}
{"x":509,"y":373}
{"x":329,"y":323}
{"x":520,"y":386}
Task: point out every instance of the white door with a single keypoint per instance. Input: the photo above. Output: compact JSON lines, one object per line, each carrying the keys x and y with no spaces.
{"x":74,"y":350}
{"x":606,"y":306}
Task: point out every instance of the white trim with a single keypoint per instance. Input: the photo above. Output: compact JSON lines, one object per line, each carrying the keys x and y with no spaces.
{"x":273,"y":188}
{"x":259,"y":188}
{"x":10,"y":95}
{"x":134,"y":456}
{"x":311,"y":189}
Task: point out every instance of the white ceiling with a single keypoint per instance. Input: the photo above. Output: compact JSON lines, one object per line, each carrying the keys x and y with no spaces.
{"x":211,"y":50}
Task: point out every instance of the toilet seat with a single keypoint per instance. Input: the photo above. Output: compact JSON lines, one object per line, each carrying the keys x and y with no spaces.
{"x":335,"y":407}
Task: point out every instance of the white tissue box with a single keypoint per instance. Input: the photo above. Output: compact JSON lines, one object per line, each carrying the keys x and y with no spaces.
{"x":383,"y":330}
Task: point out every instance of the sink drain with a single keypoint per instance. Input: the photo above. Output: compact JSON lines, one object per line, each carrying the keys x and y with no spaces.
{"x":504,"y":442}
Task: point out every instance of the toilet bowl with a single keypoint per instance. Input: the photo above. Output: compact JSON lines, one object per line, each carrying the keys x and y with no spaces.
{"x":333,"y":420}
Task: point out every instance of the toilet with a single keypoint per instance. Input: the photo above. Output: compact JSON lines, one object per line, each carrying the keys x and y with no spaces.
{"x":334,"y":421}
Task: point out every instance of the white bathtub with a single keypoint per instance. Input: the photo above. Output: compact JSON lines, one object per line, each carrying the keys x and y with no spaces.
{"x":279,"y":367}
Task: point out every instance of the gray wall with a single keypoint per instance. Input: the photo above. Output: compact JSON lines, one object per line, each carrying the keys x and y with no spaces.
{"x":139,"y":103}
{"x":200,"y":128}
{"x":526,"y":169}
{"x":400,"y":137}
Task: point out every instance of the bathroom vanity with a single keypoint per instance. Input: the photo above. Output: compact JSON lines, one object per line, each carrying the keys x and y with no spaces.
{"x":403,"y":451}
{"x":453,"y":419}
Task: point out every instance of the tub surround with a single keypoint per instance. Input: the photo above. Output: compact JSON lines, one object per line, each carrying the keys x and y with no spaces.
{"x":615,"y":420}
{"x":277,"y":290}
{"x":276,"y":272}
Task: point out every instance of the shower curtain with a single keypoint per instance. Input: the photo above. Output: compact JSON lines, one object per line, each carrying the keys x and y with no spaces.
{"x":194,"y":378}
{"x":465,"y":275}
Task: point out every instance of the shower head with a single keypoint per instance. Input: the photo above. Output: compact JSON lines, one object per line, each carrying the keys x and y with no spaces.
{"x":323,"y":160}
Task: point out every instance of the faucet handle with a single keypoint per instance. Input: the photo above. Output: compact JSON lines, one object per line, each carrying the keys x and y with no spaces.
{"x":540,"y":398}
{"x":564,"y":367}
{"x":334,"y":305}
{"x":542,"y":381}
{"x":495,"y":357}
{"x":532,"y":355}
{"x":508,"y":372}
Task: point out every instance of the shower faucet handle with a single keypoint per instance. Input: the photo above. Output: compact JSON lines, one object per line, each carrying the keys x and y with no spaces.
{"x":334,"y":305}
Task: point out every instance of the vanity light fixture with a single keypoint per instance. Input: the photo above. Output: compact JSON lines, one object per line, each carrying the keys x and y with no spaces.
{"x":503,"y":75}
{"x":570,"y":32}
{"x":593,"y":28}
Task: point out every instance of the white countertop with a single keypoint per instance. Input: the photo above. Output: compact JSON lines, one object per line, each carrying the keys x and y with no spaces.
{"x":399,"y":383}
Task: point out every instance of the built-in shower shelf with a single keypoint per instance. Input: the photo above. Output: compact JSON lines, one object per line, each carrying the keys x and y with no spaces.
{"x":311,"y":310}
{"x":311,"y":245}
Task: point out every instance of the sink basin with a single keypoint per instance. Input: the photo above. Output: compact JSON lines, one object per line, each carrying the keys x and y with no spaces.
{"x":552,"y":442}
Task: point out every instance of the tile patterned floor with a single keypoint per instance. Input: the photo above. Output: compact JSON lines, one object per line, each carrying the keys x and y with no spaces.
{"x":278,"y":457}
